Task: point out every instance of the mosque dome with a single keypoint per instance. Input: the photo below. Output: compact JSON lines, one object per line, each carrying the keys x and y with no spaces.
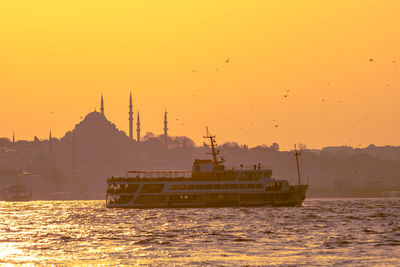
{"x":94,"y":116}
{"x":96,"y":130}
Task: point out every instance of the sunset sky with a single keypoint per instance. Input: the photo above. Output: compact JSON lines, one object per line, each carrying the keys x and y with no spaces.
{"x":338,"y":62}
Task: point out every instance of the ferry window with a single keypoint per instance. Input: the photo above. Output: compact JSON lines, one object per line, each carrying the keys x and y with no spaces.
{"x":132,"y":188}
{"x":227,"y":176}
{"x":217,"y":186}
{"x":250,"y":175}
{"x":259,"y":186}
{"x":173,"y":187}
{"x":243,"y":186}
{"x":142,"y":199}
{"x":243,"y":176}
{"x":234,"y":186}
{"x":252,"y":186}
{"x":208,"y":186}
{"x":225,"y":186}
{"x":152,"y":188}
{"x":150,"y":199}
{"x":181,"y":187}
{"x":244,"y":197}
{"x":192,"y":187}
{"x":199,"y":186}
{"x":267,"y":174}
{"x":123,"y":199}
{"x":233,"y":175}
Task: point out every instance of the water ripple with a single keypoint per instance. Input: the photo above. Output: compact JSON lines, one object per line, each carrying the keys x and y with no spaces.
{"x":323,"y":232}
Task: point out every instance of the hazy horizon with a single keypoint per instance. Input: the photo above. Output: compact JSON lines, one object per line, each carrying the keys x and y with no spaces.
{"x":150,"y":134}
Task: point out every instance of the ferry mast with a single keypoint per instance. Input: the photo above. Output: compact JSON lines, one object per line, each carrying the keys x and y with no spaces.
{"x":297,"y":154}
{"x":214,"y":152}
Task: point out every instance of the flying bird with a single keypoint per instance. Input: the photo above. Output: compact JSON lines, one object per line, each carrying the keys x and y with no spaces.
{"x":227,"y":61}
{"x":276,"y":125}
{"x":285,"y":95}
{"x":371,"y":59}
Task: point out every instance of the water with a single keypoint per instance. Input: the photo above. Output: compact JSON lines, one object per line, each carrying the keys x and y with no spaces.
{"x":324,"y":232}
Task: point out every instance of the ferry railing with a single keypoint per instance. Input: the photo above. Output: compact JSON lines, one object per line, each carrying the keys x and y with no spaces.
{"x":159,"y":174}
{"x":254,"y":167}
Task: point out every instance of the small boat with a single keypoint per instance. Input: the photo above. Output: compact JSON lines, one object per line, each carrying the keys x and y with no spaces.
{"x":209,"y":184}
{"x":17,"y":192}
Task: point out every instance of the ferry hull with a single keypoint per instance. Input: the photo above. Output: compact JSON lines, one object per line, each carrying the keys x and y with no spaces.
{"x":17,"y":199}
{"x":290,"y":198}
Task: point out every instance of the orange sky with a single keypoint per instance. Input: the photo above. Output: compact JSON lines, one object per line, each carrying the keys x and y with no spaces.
{"x":57,"y":57}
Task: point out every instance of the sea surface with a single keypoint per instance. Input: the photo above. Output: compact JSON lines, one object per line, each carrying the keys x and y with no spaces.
{"x":323,"y":232}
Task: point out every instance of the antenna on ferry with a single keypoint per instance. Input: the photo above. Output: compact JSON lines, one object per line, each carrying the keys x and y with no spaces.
{"x":297,"y":154}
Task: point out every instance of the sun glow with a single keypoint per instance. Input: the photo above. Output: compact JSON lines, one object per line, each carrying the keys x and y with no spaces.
{"x":317,"y":72}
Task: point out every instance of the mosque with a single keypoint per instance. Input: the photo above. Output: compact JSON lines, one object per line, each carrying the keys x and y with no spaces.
{"x":94,"y":149}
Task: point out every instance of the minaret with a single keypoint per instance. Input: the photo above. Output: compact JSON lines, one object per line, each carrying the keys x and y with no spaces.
{"x":138,"y":128}
{"x":50,"y":145}
{"x":165,"y":127}
{"x":102,"y":105}
{"x":13,"y":138}
{"x":130,"y":117}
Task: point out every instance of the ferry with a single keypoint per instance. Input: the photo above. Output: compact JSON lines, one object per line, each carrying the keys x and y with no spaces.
{"x":208,"y":184}
{"x":17,"y":192}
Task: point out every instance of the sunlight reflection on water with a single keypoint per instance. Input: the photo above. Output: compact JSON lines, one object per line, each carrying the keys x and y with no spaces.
{"x":323,"y":232}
